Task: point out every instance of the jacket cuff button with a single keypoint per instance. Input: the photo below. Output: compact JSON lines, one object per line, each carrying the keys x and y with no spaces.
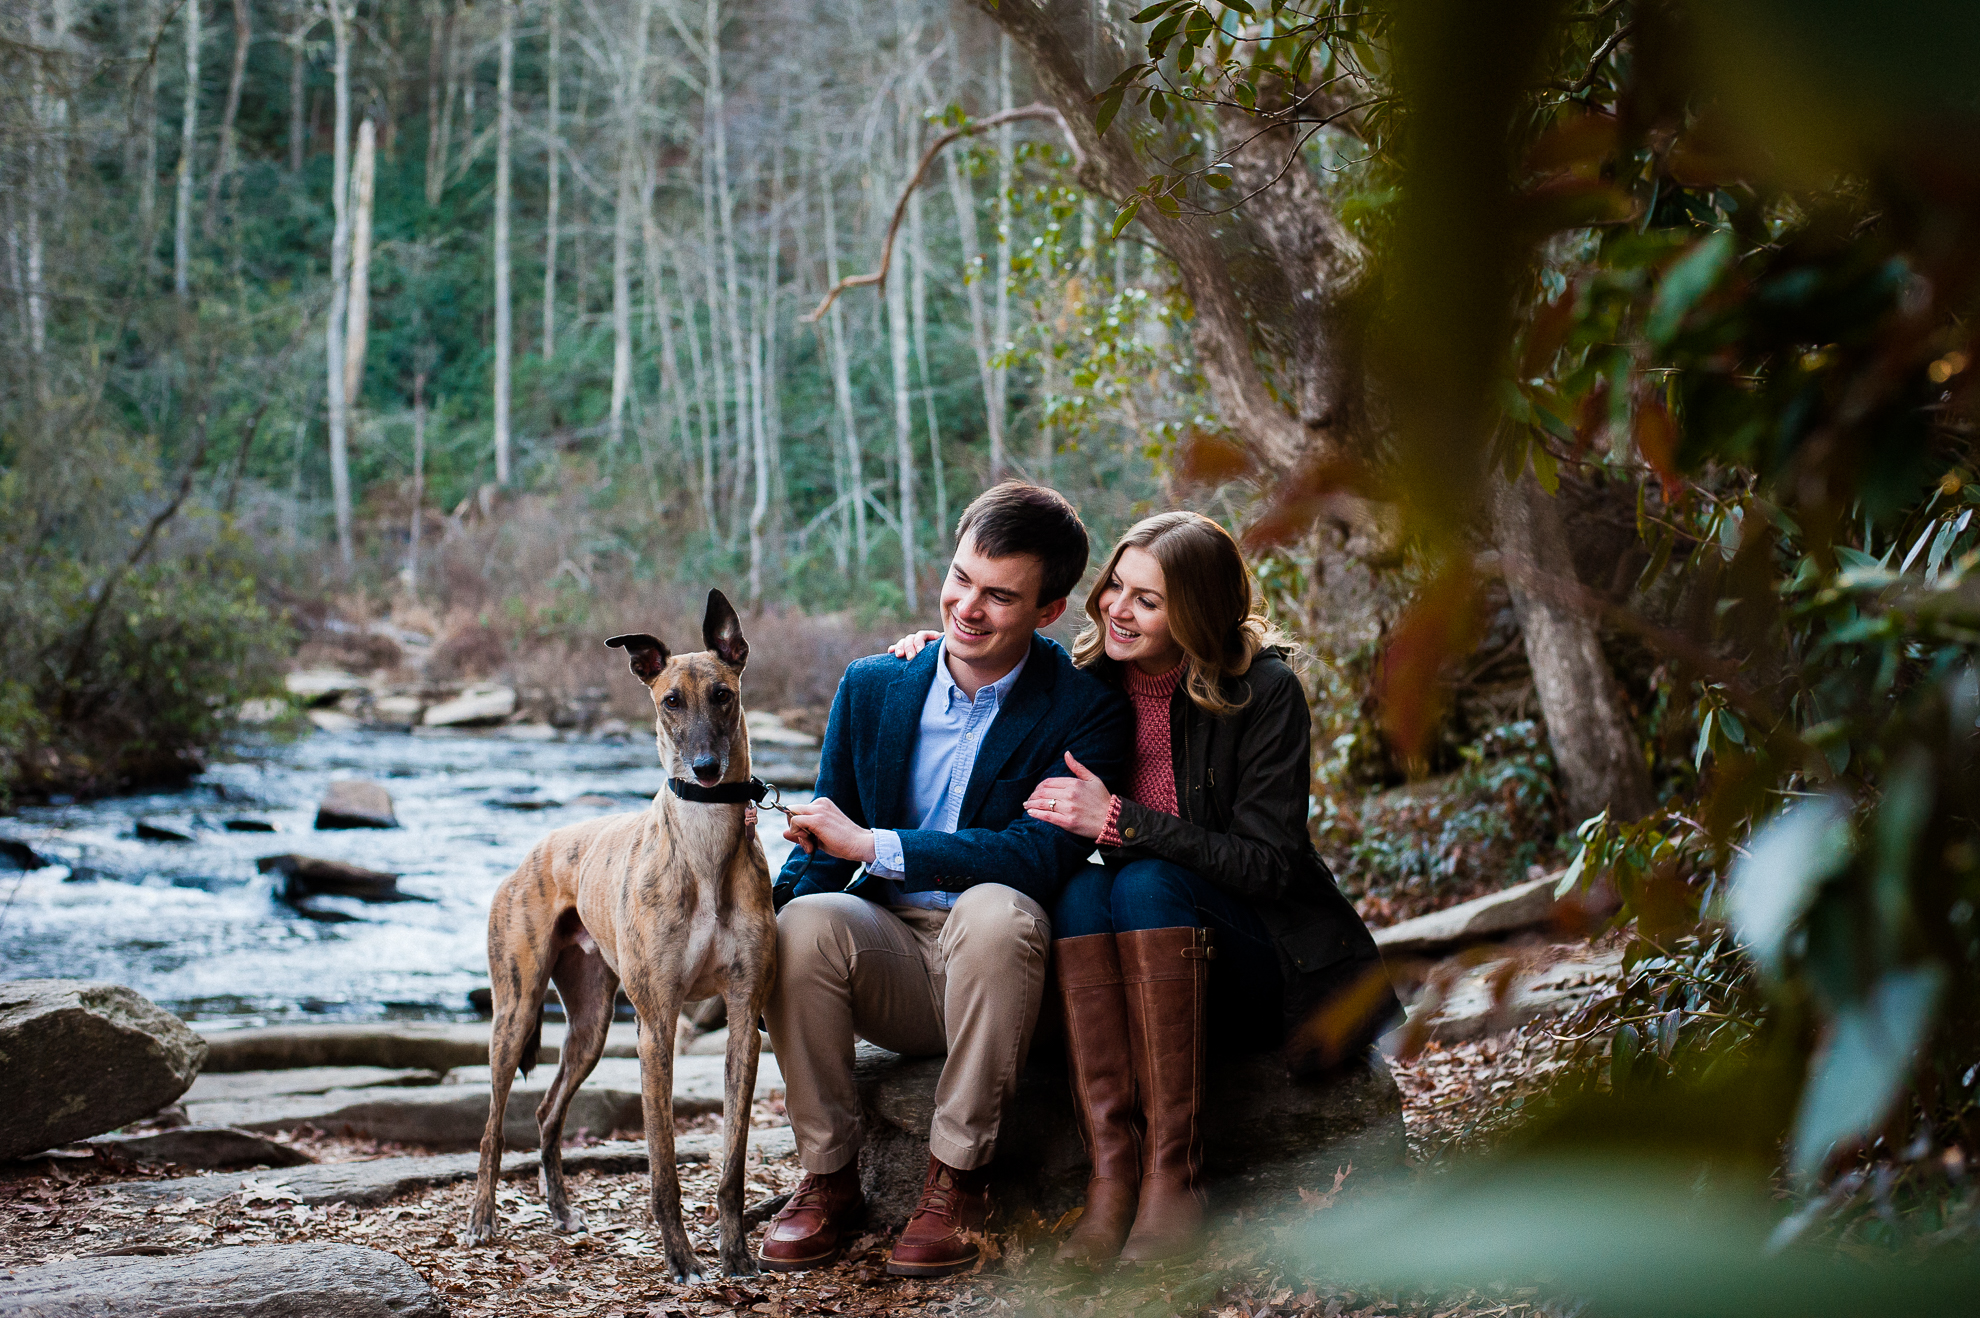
{"x":1128,"y":831}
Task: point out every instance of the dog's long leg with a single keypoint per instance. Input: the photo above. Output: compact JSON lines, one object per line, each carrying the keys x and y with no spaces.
{"x":656,"y":995}
{"x":588,"y":988}
{"x":745,"y":1003}
{"x":519,"y":939}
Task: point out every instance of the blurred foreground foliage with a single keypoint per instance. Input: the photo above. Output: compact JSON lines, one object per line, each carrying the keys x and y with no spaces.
{"x":1721,"y":256}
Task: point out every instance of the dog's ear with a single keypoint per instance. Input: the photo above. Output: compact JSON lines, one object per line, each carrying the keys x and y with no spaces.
{"x":721,"y":631}
{"x":645,"y":652}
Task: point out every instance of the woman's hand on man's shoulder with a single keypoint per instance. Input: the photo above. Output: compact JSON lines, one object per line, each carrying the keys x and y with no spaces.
{"x":913,"y":644}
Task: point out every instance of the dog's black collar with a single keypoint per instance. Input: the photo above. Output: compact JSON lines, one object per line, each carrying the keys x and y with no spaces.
{"x":748,"y":793}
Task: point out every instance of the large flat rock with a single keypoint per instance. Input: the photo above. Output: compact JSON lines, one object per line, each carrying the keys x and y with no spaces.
{"x":356,"y":803}
{"x":393,"y":1045}
{"x":1523,"y":906}
{"x":212,"y":1087}
{"x":1269,"y":1135}
{"x":368,"y":1184}
{"x":82,"y":1058}
{"x":212,"y":1148}
{"x":451,"y":1115}
{"x":239,"y":1281}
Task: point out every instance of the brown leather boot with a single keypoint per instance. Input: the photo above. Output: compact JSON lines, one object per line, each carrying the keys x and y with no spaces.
{"x":1165,"y":973}
{"x":810,"y":1229}
{"x":941,"y":1237}
{"x":1094,"y":1005}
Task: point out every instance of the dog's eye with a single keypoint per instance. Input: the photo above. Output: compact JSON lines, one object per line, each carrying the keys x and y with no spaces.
{"x":722,"y":695}
{"x":672,"y":700}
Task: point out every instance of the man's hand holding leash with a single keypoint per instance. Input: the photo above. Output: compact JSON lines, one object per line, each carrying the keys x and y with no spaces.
{"x":821,"y":823}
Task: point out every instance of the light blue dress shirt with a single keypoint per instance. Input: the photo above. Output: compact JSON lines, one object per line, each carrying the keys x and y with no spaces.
{"x":950,"y":733}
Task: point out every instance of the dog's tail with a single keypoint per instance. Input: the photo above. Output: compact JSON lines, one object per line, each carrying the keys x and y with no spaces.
{"x":534,"y":1046}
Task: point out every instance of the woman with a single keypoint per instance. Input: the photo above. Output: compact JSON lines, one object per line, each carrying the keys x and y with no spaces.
{"x":1213,"y":916}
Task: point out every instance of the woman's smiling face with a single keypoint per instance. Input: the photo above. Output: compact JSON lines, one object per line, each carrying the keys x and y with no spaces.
{"x":1136,"y":610}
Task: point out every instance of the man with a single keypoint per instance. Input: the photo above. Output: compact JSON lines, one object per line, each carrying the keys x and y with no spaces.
{"x":939,"y":944}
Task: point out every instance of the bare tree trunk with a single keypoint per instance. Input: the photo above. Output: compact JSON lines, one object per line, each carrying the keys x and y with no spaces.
{"x":964,"y":199}
{"x":440,"y":139}
{"x":439,"y":24}
{"x":554,"y":169}
{"x":717,"y":369}
{"x":505,"y":112}
{"x":763,"y":384}
{"x":918,"y":299}
{"x":731,"y":277}
{"x":842,"y":370}
{"x":364,"y":173}
{"x":188,"y":137}
{"x":1588,"y":724}
{"x":340,"y":285}
{"x":226,"y":163}
{"x":148,"y":155}
{"x":630,"y":93}
{"x":298,"y":102}
{"x":897,"y":342}
{"x":418,"y":482}
{"x":1001,"y":327}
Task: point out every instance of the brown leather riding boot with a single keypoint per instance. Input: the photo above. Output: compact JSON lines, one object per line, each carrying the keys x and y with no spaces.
{"x":1165,"y":974}
{"x":941,"y":1238}
{"x":1094,"y":1006}
{"x":811,"y":1227}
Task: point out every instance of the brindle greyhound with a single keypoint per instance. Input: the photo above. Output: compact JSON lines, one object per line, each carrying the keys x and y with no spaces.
{"x":675,"y":902}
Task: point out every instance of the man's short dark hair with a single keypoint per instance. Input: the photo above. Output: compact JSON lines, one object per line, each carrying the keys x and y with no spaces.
{"x":1016,"y":518}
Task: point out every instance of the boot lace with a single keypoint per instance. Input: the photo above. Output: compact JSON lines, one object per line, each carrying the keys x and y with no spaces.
{"x":940,"y":1196}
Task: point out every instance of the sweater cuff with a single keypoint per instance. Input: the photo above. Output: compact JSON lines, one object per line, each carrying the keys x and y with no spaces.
{"x":1110,"y":834}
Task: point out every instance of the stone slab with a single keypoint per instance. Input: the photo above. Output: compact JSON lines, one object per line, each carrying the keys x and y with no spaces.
{"x":397,"y":1045}
{"x":452,"y":1115}
{"x":239,"y":1281}
{"x":368,"y":1184}
{"x":211,"y":1086}
{"x":212,"y":1148}
{"x":1523,"y":906}
{"x":1271,"y":1137}
{"x":356,"y":803}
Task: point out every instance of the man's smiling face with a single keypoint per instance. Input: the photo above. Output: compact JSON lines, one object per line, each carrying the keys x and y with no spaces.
{"x":990,"y":608}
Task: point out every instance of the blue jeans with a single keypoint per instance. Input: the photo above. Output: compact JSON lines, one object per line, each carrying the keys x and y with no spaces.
{"x":1243,"y":998}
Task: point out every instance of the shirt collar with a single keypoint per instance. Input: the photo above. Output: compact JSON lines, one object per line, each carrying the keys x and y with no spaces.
{"x":999,"y":689}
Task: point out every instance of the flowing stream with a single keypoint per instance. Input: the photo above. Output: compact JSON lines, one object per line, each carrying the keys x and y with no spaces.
{"x":196,"y":927}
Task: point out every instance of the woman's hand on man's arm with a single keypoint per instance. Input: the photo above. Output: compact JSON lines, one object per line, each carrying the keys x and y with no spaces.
{"x":1079,"y":804}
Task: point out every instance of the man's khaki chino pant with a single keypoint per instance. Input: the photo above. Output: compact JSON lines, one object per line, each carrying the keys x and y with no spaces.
{"x":965,"y":982}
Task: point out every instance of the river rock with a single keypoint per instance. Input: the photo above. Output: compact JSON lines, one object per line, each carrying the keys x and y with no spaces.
{"x":320,"y":686}
{"x":1523,"y":906}
{"x":248,"y":826}
{"x":163,"y":830}
{"x":1272,"y":1135}
{"x":209,"y":1148}
{"x":309,"y":876}
{"x":478,"y":706}
{"x":17,"y":855}
{"x":356,"y":803}
{"x":82,"y":1058}
{"x":397,"y":711}
{"x":242,"y":1281}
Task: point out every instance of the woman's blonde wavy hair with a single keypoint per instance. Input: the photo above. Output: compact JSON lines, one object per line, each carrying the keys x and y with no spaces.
{"x":1213,"y":611}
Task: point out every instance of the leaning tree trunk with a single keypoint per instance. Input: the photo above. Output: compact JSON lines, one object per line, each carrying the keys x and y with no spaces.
{"x":505,"y":115}
{"x":1600,"y":760}
{"x":188,"y":136}
{"x":1311,"y":260}
{"x":340,"y":284}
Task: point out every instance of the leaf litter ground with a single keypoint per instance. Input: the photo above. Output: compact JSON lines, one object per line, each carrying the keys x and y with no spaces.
{"x":1456,"y":1098}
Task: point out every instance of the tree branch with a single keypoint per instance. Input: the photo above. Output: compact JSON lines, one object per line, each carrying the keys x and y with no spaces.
{"x":1033,"y":111}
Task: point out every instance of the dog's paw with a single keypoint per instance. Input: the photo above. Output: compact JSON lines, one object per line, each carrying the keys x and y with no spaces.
{"x":480,"y":1233}
{"x":570,"y":1221}
{"x":739,"y":1262}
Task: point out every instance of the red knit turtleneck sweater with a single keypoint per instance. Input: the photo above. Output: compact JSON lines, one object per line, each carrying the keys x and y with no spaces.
{"x":1153,"y":782}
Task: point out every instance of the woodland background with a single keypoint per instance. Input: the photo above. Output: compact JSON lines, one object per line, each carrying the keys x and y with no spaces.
{"x":1591,"y":383}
